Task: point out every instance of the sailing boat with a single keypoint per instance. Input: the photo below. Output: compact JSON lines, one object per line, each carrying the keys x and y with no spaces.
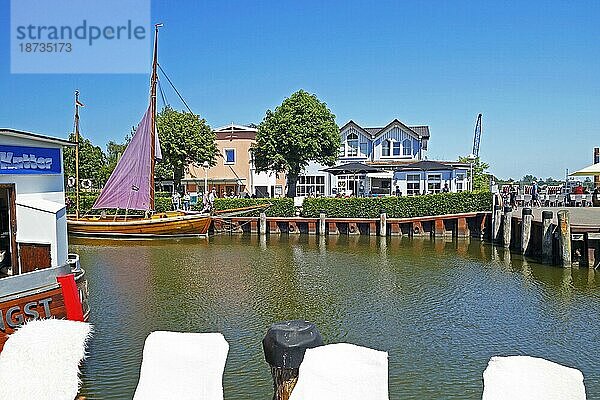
{"x":131,"y":187}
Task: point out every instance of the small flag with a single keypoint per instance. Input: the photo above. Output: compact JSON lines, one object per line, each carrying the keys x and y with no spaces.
{"x":78,"y":103}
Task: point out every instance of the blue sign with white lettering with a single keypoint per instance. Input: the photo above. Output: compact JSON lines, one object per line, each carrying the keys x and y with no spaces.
{"x":29,"y":160}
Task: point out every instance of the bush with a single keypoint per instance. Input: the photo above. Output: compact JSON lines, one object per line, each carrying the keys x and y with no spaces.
{"x":280,"y":207}
{"x":398,"y":207}
{"x":86,"y":201}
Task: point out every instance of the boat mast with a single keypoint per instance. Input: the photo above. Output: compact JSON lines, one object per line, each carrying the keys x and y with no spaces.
{"x":153,"y":81}
{"x":77,"y":154}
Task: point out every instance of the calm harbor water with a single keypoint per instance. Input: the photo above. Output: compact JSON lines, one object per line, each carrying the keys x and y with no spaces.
{"x":440,"y":308}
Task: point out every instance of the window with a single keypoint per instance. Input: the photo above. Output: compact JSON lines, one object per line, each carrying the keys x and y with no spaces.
{"x":396,"y":148}
{"x":407,"y":147}
{"x":352,"y":141}
{"x":229,"y":156}
{"x":413,"y":184}
{"x":351,"y":183}
{"x":364,"y":148}
{"x":459,"y":187}
{"x":342,"y":151}
{"x":434,"y":183}
{"x":310,"y":185}
{"x":385,"y":148}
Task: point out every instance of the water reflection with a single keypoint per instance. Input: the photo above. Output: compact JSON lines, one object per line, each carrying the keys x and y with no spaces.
{"x":440,"y":307}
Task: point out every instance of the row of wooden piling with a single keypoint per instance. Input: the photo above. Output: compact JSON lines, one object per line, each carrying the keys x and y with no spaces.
{"x":456,"y":225}
{"x":554,"y":245}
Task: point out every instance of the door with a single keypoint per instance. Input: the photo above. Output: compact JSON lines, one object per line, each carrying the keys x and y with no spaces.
{"x":8,"y":229}
{"x":34,"y":256}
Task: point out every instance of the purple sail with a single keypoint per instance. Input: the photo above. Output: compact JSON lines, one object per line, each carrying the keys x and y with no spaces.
{"x":129,"y":185}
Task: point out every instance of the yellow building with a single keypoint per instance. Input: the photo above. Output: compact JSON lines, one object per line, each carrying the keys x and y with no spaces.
{"x":234,"y":172}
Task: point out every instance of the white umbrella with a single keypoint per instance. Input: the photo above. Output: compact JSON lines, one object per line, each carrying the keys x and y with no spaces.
{"x":593,"y":169}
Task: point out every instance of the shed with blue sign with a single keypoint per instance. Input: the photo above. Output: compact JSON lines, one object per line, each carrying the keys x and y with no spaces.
{"x":33,"y":223}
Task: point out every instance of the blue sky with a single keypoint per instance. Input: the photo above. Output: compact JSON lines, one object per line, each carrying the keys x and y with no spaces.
{"x":532,"y":69}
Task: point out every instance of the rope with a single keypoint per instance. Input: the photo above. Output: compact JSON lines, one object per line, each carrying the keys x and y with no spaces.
{"x":230,"y":230}
{"x":162,"y":94}
{"x":174,"y":88}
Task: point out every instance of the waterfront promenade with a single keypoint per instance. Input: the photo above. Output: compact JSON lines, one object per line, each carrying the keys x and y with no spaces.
{"x":588,"y":217}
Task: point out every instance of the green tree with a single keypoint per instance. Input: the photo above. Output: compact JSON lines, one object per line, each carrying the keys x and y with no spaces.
{"x":91,"y":160}
{"x":300,"y":130}
{"x":481,"y":178}
{"x":528,"y":179}
{"x":185,"y":138}
{"x":113,"y":153}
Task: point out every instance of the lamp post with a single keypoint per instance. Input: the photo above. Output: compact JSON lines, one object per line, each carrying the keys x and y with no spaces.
{"x":206,"y":166}
{"x":471,"y":158}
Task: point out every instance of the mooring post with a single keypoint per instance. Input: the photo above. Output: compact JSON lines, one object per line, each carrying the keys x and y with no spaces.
{"x":547,"y":235}
{"x":322,"y":222}
{"x":498,"y":223}
{"x":263,"y":223}
{"x":526,"y":220}
{"x":284,"y":346}
{"x":382,"y":223}
{"x":507,"y":226}
{"x":564,"y":237}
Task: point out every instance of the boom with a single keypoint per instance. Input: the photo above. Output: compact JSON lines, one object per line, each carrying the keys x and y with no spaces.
{"x":477,"y":137}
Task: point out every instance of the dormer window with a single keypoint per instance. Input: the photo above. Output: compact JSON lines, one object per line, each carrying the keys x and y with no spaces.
{"x":352,"y":142}
{"x":385,"y":148}
{"x":407,"y":147}
{"x":396,"y":148}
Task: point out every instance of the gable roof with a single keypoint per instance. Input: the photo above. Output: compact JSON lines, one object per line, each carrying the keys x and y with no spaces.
{"x":355,"y":125}
{"x":426,"y":166}
{"x":420,"y":130}
{"x":35,"y":136}
{"x":233,"y":131}
{"x":235,"y":128}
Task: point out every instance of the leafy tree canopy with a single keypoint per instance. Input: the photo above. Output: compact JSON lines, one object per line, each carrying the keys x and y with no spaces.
{"x":185,"y":138}
{"x":300,"y":130}
{"x":481,"y":177}
{"x":91,"y":161}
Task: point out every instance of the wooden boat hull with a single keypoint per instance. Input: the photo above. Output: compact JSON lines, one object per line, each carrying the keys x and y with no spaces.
{"x":158,"y":226}
{"x":41,"y":300}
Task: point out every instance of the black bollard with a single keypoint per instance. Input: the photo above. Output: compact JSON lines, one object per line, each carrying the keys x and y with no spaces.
{"x":284,"y":346}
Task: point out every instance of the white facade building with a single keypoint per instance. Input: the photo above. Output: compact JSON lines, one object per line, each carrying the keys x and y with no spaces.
{"x":387,"y":148}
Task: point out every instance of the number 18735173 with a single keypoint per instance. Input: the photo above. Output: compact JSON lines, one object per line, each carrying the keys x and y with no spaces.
{"x":44,"y":47}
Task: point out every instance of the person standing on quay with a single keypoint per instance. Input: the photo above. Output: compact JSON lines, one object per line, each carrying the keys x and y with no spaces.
{"x":535,"y":196}
{"x":176,"y":201}
{"x":186,"y":201}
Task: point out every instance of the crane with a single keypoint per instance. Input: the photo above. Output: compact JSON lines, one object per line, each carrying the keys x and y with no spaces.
{"x":477,"y":137}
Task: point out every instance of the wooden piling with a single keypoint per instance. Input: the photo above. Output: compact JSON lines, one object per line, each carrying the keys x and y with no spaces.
{"x":507,"y":226}
{"x":462,"y":228}
{"x":526,"y":220}
{"x":439,"y":229}
{"x":497,"y":215}
{"x":263,"y":223}
{"x":293,"y":227}
{"x":274,"y":227}
{"x":373,"y":228}
{"x":564,"y":238}
{"x":383,"y":224}
{"x":547,"y":235}
{"x":333,"y":230}
{"x":322,"y":223}
{"x":395,"y":229}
